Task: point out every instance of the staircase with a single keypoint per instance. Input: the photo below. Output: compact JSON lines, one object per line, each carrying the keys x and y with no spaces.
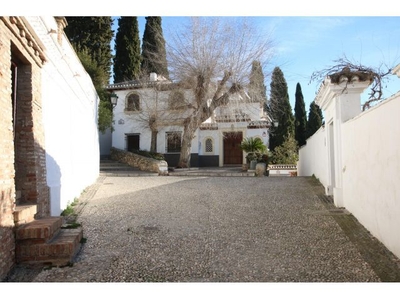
{"x":45,"y":240}
{"x":113,"y":168}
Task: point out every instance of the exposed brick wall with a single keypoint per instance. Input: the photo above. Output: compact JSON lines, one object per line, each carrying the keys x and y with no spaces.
{"x":29,"y":141}
{"x":28,"y":150}
{"x":7,"y":191}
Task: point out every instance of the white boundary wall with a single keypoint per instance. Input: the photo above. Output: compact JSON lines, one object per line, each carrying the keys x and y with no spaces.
{"x":313,"y":158}
{"x":371,"y":171}
{"x":70,"y":104}
{"x":358,"y":159}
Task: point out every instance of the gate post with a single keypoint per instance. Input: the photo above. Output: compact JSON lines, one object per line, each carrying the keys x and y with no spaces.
{"x":340,"y":98}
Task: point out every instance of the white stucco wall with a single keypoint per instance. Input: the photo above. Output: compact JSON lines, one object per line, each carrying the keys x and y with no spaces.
{"x":366,"y":160}
{"x":235,"y":106}
{"x":105,"y":142}
{"x":205,"y":134}
{"x":69,"y":117}
{"x":262,"y":133}
{"x":134,"y":122}
{"x":313,"y":157}
{"x":371,"y":170}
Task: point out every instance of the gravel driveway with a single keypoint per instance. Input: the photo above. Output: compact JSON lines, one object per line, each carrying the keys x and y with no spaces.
{"x":212,"y":229}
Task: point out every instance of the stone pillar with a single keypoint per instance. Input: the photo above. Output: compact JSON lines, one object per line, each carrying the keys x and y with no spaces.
{"x":340,"y":99}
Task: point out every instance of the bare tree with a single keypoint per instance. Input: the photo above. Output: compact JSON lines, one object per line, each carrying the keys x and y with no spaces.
{"x":150,"y":114}
{"x":345,"y":67}
{"x":158,"y":107}
{"x":162,"y":103}
{"x":213,"y":58}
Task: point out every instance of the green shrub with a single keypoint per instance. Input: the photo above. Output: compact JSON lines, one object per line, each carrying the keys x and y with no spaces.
{"x":287,"y":153}
{"x":154,"y":155}
{"x":252,"y":144}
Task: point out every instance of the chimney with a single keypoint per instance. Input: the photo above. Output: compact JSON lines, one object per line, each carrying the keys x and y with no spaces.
{"x":153,"y":76}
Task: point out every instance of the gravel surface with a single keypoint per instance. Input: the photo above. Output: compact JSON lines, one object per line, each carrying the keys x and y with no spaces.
{"x":212,"y":229}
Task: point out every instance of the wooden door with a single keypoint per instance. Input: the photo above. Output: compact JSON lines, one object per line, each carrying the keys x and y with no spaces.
{"x":233,"y":155}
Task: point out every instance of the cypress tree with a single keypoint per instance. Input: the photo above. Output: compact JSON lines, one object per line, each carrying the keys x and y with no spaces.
{"x":280,"y":110}
{"x":315,"y":119}
{"x":154,"y":57}
{"x":94,"y":35}
{"x":300,"y":117}
{"x":127,"y":50}
{"x":257,"y":88}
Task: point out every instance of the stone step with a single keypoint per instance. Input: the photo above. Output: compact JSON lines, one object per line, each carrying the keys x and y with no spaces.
{"x":59,"y":251}
{"x":116,"y":166}
{"x":118,"y":169}
{"x":212,"y":174}
{"x":39,"y":231}
{"x":209,"y":174}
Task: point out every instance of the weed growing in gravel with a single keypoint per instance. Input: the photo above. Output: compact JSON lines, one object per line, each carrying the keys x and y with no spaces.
{"x":72,"y":225}
{"x":70,"y":208}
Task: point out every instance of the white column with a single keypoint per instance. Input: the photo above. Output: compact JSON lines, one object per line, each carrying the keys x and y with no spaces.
{"x":340,"y":102}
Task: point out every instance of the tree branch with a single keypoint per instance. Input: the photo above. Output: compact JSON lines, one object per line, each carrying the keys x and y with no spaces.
{"x":345,"y":67}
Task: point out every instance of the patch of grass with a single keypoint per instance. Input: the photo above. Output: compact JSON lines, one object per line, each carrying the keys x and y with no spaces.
{"x":154,"y":155}
{"x":72,"y":225}
{"x":70,"y":208}
{"x":314,"y":177}
{"x":68,"y":211}
{"x":48,"y":267}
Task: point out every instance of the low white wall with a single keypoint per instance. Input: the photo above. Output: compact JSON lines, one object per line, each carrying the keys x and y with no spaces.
{"x":371,"y":171}
{"x":313,"y":158}
{"x":70,"y":105}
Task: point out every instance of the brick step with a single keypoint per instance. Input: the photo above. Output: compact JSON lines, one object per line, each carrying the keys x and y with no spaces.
{"x":59,"y":251}
{"x":38,"y":231}
{"x":24,"y":214}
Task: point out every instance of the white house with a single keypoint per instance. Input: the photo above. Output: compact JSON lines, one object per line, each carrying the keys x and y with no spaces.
{"x":216,"y":141}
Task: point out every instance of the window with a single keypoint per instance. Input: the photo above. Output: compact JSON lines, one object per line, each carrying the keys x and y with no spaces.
{"x":208,"y":145}
{"x":176,"y":100}
{"x":133,"y":102}
{"x":173,"y":141}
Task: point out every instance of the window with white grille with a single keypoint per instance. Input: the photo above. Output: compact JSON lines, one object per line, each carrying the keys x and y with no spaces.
{"x":209,"y":145}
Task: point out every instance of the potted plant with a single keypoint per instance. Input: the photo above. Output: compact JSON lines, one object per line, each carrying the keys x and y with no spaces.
{"x":262,"y":159}
{"x":254,"y":147}
{"x":251,"y":159}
